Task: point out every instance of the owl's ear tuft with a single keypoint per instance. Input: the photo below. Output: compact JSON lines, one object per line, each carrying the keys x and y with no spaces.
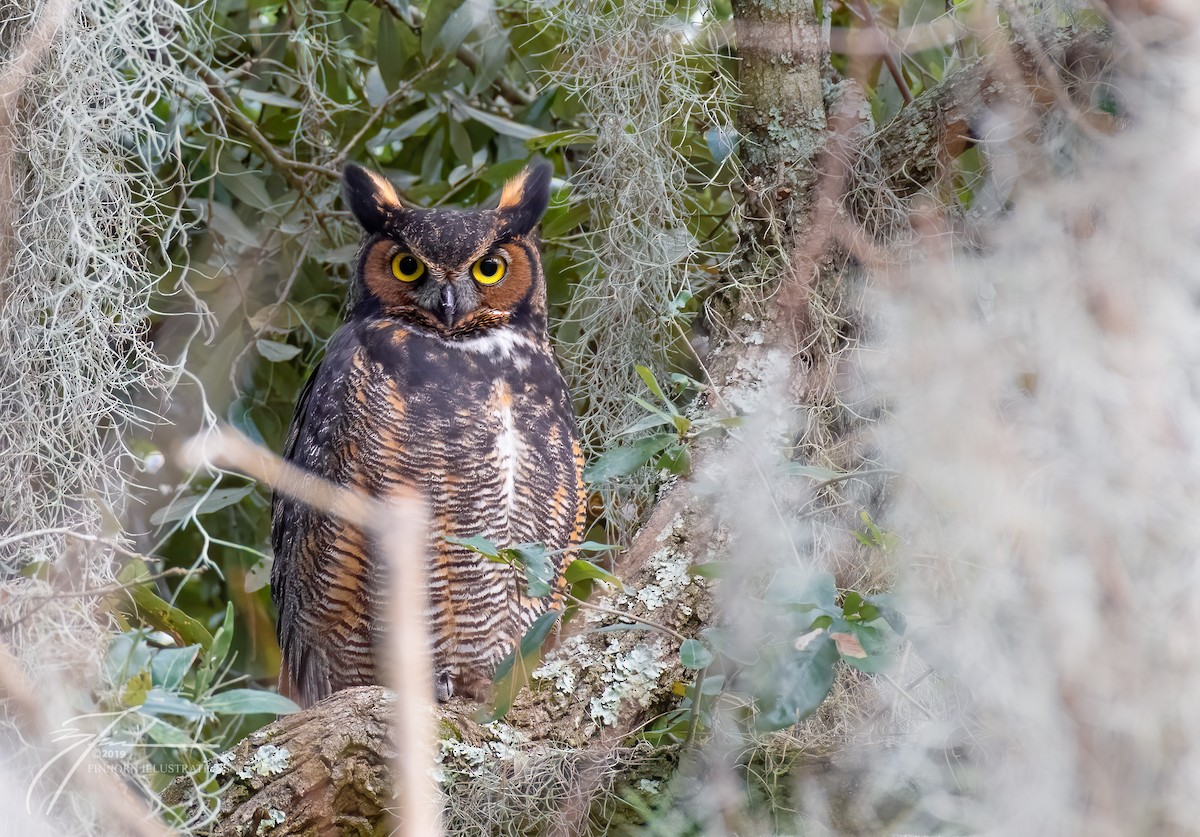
{"x":525,"y":198}
{"x":370,"y":196}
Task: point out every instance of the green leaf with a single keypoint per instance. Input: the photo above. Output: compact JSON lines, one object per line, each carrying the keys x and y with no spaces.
{"x":596,"y":546}
{"x":390,"y":55}
{"x":514,"y":670}
{"x":460,"y":142}
{"x":239,"y":416}
{"x":454,"y":31}
{"x":883,"y":602}
{"x":648,"y":378}
{"x":169,"y":666}
{"x":275,"y":351}
{"x":500,"y":173}
{"x":265,"y":97}
{"x":248,"y":187}
{"x":501,"y":124}
{"x":712,"y":684}
{"x":493,"y":54}
{"x":581,"y":570}
{"x":650,"y":408}
{"x":693,"y":654}
{"x":857,"y":609}
{"x":677,"y":459}
{"x":411,"y":125}
{"x":166,"y":735}
{"x":258,"y":576}
{"x":127,"y":655}
{"x":879,"y":652}
{"x":435,"y":19}
{"x":726,"y":643}
{"x":623,"y":461}
{"x":135,"y":691}
{"x":804,"y":588}
{"x":560,"y":222}
{"x":224,"y":637}
{"x":250,"y":702}
{"x":216,"y":653}
{"x":647,"y":423}
{"x":162,"y":702}
{"x":560,"y":139}
{"x":225,"y":224}
{"x":534,"y":559}
{"x":157,"y":613}
{"x":794,"y":683}
{"x":198,"y":504}
{"x":478,"y":544}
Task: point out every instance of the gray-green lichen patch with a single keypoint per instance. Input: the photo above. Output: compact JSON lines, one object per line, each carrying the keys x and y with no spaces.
{"x":274,"y":817}
{"x":459,"y":758}
{"x":268,"y":760}
{"x":221,"y":763}
{"x":631,"y":676}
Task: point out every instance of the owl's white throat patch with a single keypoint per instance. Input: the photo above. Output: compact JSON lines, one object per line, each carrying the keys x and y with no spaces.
{"x":500,"y":342}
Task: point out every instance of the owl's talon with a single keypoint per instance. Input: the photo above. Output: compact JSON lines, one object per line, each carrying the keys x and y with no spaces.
{"x":443,"y":686}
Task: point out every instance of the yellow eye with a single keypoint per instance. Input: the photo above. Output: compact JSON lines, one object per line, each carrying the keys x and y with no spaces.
{"x":489,"y":270}
{"x":406,"y":267}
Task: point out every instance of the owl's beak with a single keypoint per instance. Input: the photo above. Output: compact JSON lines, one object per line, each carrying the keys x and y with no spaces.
{"x":448,"y":304}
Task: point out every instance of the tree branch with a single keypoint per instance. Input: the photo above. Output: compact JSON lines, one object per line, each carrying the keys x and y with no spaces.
{"x":916,"y":148}
{"x":285,"y":165}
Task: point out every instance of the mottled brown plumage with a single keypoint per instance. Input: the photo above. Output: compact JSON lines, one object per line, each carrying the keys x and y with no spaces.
{"x":442,"y":380}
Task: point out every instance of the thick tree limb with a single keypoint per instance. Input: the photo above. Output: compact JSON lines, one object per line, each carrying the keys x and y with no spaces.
{"x":915,"y":149}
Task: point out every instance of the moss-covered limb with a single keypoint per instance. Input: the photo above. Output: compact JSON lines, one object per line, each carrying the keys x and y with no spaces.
{"x":325,"y":770}
{"x":600,"y":681}
{"x":915,"y":149}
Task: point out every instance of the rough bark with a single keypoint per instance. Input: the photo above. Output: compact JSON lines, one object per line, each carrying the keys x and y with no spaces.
{"x":782,"y":55}
{"x":916,"y":149}
{"x":566,"y":745}
{"x":322,"y":771}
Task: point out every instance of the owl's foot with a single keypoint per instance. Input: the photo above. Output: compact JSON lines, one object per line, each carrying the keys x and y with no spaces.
{"x":443,"y":685}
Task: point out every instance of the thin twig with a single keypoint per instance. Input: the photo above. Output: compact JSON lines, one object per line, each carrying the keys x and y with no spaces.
{"x":863,"y":8}
{"x":904,"y":692}
{"x":115,"y":588}
{"x":72,"y":533}
{"x":627,"y":615}
{"x":286,"y":165}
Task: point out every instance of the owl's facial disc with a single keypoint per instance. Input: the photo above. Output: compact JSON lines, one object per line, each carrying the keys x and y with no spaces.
{"x":456,"y":272}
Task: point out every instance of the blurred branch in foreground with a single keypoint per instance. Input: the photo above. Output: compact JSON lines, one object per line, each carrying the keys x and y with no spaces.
{"x":397,"y":525}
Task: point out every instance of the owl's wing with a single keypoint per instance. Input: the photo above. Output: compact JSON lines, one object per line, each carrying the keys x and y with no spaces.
{"x":312,"y":445}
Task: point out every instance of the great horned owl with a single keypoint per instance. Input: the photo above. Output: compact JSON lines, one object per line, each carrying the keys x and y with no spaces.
{"x":441,"y":380}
